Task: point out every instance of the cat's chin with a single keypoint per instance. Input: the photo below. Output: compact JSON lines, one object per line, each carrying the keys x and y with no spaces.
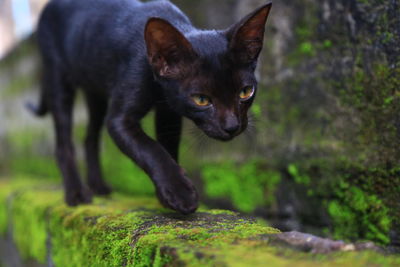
{"x":223,"y":138}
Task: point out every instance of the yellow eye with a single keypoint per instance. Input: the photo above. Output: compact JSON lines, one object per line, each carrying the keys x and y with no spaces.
{"x":247,"y":92}
{"x":201,"y":100}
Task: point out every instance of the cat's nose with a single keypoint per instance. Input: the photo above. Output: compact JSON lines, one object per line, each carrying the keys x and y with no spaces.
{"x":231,"y":124}
{"x":232,"y":128}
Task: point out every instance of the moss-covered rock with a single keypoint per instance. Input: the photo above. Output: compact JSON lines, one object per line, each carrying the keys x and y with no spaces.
{"x":136,"y":231}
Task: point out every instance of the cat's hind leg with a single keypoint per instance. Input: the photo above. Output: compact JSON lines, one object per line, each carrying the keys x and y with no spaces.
{"x":61,"y":100}
{"x":97,"y":108}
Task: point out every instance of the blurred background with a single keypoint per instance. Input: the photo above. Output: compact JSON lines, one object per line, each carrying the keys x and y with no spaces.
{"x":322,"y":153}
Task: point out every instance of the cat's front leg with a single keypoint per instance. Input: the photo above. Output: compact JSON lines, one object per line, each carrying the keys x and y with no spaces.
{"x":168,"y":129}
{"x":173,"y":188}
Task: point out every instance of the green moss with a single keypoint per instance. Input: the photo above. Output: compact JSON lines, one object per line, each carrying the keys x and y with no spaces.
{"x":103,"y":234}
{"x":307,"y":48}
{"x":220,"y":231}
{"x":298,"y":178}
{"x":123,"y":231}
{"x":250,"y":253}
{"x":146,"y":232}
{"x":9,"y":191}
{"x":247,"y":185}
{"x":218,"y":212}
{"x":4,"y":192}
{"x":30,"y":234}
{"x":327,"y":44}
{"x":351,"y":196}
{"x":92,"y":237}
{"x":370,"y":220}
{"x":256,"y":253}
{"x":377,"y":109}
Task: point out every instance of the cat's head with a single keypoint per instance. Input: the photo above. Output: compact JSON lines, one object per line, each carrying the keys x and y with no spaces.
{"x":208,"y":76}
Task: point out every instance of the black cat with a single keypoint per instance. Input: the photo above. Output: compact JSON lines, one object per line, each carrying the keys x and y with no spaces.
{"x":129,"y":57}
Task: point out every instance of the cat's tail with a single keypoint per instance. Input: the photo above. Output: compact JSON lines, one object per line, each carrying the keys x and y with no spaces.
{"x":41,"y":108}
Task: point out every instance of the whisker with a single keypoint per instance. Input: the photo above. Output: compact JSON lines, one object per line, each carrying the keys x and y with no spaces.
{"x":193,"y":134}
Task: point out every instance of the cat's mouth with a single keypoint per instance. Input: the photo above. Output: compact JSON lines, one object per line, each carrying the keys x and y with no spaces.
{"x":218,"y":133}
{"x":221,"y":136}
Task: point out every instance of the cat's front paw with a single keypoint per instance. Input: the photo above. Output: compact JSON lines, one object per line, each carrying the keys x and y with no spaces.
{"x":77,"y":196}
{"x":178,"y":194}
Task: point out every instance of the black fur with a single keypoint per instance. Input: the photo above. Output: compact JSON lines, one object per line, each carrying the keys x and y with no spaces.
{"x":129,"y":57}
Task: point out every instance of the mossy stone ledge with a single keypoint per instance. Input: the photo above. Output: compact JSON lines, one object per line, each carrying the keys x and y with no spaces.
{"x":136,"y":231}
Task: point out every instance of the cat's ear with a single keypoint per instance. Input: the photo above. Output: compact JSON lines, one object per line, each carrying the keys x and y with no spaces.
{"x":246,"y":37}
{"x":168,"y":51}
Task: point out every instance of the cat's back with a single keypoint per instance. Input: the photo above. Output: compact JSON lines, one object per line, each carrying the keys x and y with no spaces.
{"x":61,"y":16}
{"x":73,"y":25}
{"x":92,"y":40}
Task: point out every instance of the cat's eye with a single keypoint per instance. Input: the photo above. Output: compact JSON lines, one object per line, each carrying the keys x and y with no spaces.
{"x":247,"y":92}
{"x":201,"y":100}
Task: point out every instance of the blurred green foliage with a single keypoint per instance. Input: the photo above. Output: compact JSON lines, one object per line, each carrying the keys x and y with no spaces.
{"x":26,"y":158}
{"x":248,"y":185}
